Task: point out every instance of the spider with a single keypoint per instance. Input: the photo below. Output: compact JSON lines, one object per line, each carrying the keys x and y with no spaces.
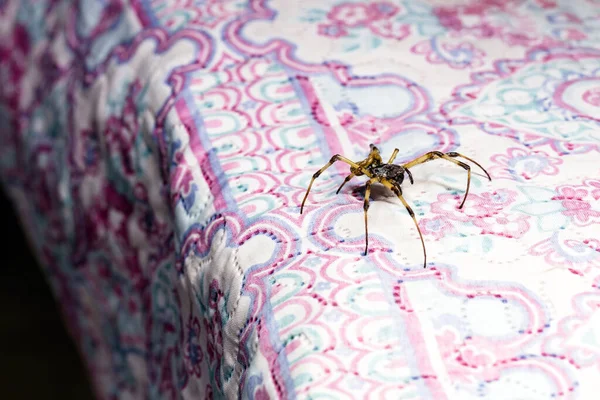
{"x":391,"y":176}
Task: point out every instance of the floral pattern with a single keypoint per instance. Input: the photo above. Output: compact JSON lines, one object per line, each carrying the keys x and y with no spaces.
{"x":158,"y":152}
{"x":457,"y":55}
{"x":377,"y":17}
{"x":522,"y":165}
{"x":556,"y":209}
{"x":366,"y":25}
{"x":484,"y":213}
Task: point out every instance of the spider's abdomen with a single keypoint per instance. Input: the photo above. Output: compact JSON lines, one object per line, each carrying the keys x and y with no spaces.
{"x":391,"y":172}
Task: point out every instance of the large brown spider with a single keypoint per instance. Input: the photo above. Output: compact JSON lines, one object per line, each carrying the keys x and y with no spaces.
{"x":391,"y":176}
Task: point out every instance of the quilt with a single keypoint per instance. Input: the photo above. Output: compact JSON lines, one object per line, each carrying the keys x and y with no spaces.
{"x":158,"y":152}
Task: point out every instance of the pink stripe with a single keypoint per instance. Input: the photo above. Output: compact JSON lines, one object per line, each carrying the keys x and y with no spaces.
{"x":415,"y":335}
{"x":141,"y":13}
{"x":329,"y":134}
{"x":201,"y":154}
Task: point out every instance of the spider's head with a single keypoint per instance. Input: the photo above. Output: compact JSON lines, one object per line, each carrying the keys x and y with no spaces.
{"x":392,"y":173}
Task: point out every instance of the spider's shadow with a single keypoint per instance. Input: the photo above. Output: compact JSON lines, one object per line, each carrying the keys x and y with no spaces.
{"x":381,"y":193}
{"x":378,"y":193}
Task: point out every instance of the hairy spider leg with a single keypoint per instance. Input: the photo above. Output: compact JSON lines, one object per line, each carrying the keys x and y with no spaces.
{"x":432,"y":155}
{"x":366,"y":208}
{"x":333,"y":159}
{"x":398,"y":192}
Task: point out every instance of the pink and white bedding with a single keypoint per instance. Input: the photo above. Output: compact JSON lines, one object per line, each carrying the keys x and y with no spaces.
{"x":158,"y":152}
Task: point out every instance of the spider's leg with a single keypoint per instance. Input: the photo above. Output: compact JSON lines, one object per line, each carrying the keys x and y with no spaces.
{"x":398,"y":192}
{"x":393,"y":157}
{"x":412,"y":215}
{"x":454,"y":154}
{"x":432,"y":155}
{"x":352,"y":175}
{"x":366,"y":208}
{"x":412,"y":182}
{"x":335,"y":158}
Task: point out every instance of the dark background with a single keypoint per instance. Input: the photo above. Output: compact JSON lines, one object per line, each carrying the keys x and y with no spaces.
{"x":38,"y":360}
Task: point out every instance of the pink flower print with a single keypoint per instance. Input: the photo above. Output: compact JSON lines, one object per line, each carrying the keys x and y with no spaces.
{"x":465,"y":363}
{"x":481,"y":360}
{"x":350,"y":14}
{"x":483,"y":7}
{"x":486,"y":30}
{"x":447,"y":206}
{"x":520,"y":164}
{"x":447,"y":342}
{"x":377,"y":17}
{"x":464,"y":54}
{"x":390,"y":29}
{"x":476,"y":358}
{"x":477,"y":206}
{"x":574,"y":204}
{"x":438,"y":227}
{"x":345,"y":117}
{"x":577,"y":255}
{"x":334,"y":30}
{"x":382,"y":9}
{"x":456,"y":55}
{"x":556,"y":208}
{"x":491,"y":218}
{"x":592,"y":96}
{"x":503,"y":225}
{"x":448,"y":18}
{"x":497,"y":199}
{"x":576,"y":335}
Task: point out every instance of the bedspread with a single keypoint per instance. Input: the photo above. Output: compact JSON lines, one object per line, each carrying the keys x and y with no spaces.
{"x":158,"y":152}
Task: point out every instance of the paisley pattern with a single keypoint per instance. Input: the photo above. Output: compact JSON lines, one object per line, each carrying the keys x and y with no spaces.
{"x":158,"y":152}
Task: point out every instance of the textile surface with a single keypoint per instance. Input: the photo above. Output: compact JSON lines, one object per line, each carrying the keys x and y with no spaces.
{"x":158,"y":152}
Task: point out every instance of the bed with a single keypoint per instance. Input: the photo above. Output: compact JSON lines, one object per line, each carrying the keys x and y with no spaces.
{"x":158,"y":153}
